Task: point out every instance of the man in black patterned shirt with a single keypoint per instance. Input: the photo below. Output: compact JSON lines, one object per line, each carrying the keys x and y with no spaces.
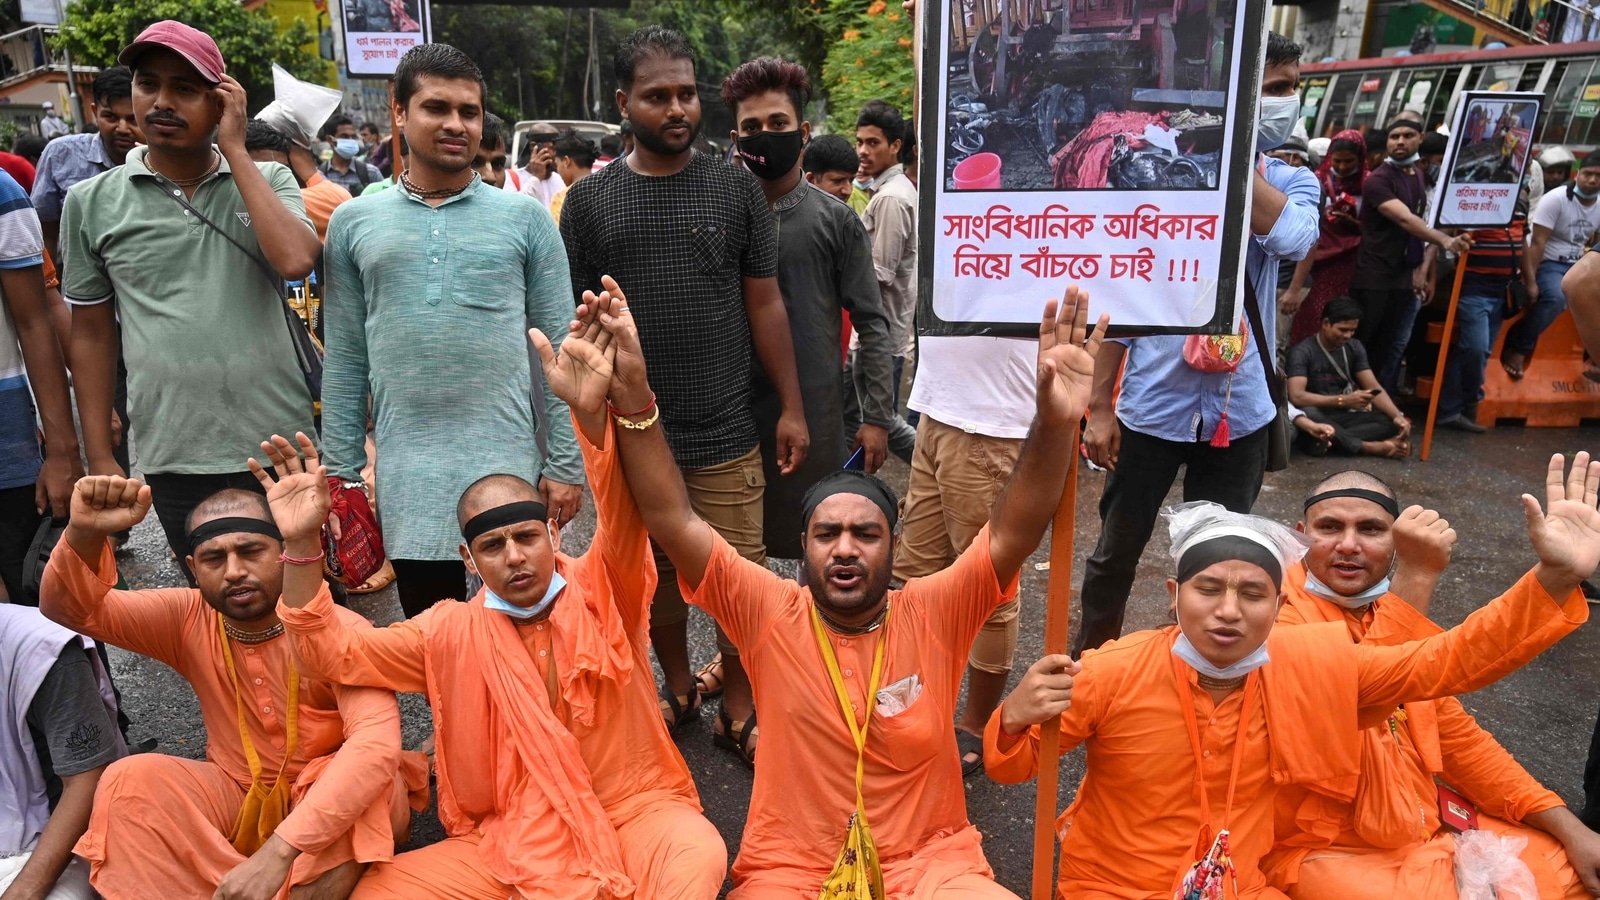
{"x":692,"y":243}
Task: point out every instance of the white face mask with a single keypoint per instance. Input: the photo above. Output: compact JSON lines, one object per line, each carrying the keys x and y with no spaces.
{"x":1187,"y":652}
{"x":1315,"y":587}
{"x":1278,"y":115}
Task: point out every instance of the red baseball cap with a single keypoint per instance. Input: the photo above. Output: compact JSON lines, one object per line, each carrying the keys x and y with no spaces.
{"x":192,"y":44}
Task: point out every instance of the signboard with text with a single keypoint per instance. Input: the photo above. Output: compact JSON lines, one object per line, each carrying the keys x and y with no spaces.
{"x":1491,"y":138}
{"x":1086,"y":155}
{"x":378,"y":32}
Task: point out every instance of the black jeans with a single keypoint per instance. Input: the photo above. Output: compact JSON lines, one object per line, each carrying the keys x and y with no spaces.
{"x":1134,"y":492}
{"x":424,"y":582}
{"x":176,"y":496}
{"x":19,"y":522}
{"x":1352,"y":427}
{"x":1387,"y":317}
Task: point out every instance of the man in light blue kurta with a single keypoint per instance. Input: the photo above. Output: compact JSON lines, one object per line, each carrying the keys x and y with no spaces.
{"x":428,"y":307}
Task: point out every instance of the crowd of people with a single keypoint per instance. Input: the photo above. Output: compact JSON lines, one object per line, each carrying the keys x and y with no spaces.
{"x":711,"y":350}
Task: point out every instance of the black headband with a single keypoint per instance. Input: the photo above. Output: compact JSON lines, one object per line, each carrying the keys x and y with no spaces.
{"x":851,"y":481}
{"x":205,"y":531}
{"x":501,"y":516}
{"x":1226,"y":548}
{"x":1390,"y":505}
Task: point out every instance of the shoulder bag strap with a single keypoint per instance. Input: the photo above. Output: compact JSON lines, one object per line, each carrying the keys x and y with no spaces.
{"x":274,"y":277}
{"x":1253,"y":315}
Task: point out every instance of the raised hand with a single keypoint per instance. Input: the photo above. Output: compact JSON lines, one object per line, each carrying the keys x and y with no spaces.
{"x":1066,"y":363}
{"x":107,"y":504}
{"x":299,"y":494}
{"x":1423,"y":539}
{"x":630,"y":388}
{"x":1566,"y":534}
{"x":580,"y":372}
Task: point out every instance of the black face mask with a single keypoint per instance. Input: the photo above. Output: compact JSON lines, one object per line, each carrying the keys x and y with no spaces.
{"x":770,"y":155}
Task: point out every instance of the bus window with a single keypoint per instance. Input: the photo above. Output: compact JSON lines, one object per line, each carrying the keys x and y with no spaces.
{"x":1338,"y":100}
{"x":1499,"y":77}
{"x":1413,"y":91}
{"x":1311,"y":101}
{"x":1560,"y":123}
{"x":1369,"y":93}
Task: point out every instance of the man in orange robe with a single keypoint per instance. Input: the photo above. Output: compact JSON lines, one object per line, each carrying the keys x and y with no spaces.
{"x":1191,"y":729}
{"x":1388,"y":840}
{"x":557,"y":778}
{"x":898,"y":656}
{"x":179,"y":828}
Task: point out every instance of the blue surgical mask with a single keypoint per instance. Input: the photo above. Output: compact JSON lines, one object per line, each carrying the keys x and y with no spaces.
{"x":1583,"y":194}
{"x":1278,"y":115}
{"x":499,"y":604}
{"x":349,"y":148}
{"x":1315,"y":587}
{"x":1408,"y":161}
{"x":1187,"y":652}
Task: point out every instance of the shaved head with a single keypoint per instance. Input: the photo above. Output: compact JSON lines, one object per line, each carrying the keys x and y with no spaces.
{"x":229,"y":502}
{"x":1354,"y":478}
{"x":491,"y":491}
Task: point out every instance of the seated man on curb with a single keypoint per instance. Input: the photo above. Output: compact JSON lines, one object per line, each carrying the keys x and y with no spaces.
{"x":304,"y":782}
{"x":58,"y":733}
{"x":557,"y":778}
{"x":1389,"y":841}
{"x":863,"y":680}
{"x":1331,"y":380}
{"x":1192,"y":731}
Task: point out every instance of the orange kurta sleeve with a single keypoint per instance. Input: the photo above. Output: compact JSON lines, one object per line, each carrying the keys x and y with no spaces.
{"x":324,"y":647}
{"x":84,"y":598}
{"x":961,"y":597}
{"x":620,"y":553}
{"x":1475,"y":763}
{"x":741,"y":595}
{"x":1015,"y":759}
{"x":362,"y":769}
{"x":1493,"y":641}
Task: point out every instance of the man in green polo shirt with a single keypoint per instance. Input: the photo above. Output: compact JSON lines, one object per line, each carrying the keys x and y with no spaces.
{"x":211,"y":366}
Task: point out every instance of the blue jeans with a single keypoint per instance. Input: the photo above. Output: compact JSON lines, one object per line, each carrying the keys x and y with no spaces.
{"x":1478,"y":317}
{"x":1525,"y":334}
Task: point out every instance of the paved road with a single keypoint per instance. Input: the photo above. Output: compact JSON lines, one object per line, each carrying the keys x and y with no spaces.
{"x":1543,"y":714}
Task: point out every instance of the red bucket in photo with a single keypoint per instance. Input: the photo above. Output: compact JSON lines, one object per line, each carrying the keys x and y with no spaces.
{"x":978,"y":172}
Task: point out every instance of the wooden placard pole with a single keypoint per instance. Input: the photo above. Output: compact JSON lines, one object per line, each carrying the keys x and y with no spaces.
{"x":1444,"y":354}
{"x":1057,"y":619}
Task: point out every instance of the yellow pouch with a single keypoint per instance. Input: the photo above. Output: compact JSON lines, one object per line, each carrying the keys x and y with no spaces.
{"x":263,"y":809}
{"x":856,"y":873}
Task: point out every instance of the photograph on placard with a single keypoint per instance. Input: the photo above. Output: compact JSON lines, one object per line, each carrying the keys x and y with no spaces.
{"x":1495,"y":139}
{"x":1053,"y":95}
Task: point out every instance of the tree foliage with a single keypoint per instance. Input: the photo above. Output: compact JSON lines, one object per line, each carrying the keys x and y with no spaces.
{"x":95,"y":30}
{"x":870,"y":59}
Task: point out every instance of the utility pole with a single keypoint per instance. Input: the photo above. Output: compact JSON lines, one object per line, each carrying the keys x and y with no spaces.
{"x":78,"y":118}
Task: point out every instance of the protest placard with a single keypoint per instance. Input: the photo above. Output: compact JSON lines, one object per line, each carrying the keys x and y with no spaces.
{"x":1110,"y":145}
{"x":378,"y":32}
{"x":1491,"y":138}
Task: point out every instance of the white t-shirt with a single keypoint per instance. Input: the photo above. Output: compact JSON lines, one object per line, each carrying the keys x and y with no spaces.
{"x":978,"y":384}
{"x":541,"y":191}
{"x":1571,"y":224}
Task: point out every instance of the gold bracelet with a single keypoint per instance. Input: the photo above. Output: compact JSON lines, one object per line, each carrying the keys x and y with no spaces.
{"x":640,"y":426}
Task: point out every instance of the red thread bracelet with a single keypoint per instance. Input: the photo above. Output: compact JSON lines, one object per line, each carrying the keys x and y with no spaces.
{"x":298,"y":561}
{"x":629,"y":415}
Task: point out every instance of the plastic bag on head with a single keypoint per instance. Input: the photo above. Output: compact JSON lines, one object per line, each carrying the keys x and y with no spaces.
{"x":1190,"y":523}
{"x":299,"y":107}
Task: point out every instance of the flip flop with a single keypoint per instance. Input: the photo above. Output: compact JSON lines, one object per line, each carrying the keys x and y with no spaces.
{"x":1513,"y":370}
{"x":677,"y":710}
{"x":967,"y":742}
{"x":709,"y":680}
{"x":735,"y":736}
{"x":379,"y":580}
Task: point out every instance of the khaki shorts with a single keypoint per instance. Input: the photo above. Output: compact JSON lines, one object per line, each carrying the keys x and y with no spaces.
{"x":726,"y":496}
{"x":955,"y":477}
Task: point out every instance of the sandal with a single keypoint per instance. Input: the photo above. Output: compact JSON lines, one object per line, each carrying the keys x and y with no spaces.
{"x":1514,"y":369}
{"x":969,"y":743}
{"x":737,"y":737}
{"x":678,"y":710}
{"x":708,"y":682}
{"x":379,"y":580}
